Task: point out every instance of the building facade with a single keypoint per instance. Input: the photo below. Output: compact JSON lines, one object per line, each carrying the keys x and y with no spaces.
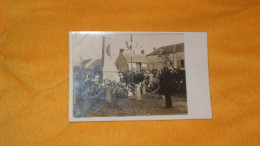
{"x":153,"y":60}
{"x":175,"y":55}
{"x":124,"y":61}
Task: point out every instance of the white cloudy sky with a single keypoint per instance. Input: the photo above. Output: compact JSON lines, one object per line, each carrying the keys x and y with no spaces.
{"x":89,"y":46}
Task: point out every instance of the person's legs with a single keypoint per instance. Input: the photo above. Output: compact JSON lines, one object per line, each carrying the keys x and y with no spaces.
{"x":168,"y":101}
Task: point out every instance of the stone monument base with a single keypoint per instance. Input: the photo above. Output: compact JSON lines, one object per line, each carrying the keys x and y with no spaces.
{"x":109,"y":71}
{"x":110,"y":75}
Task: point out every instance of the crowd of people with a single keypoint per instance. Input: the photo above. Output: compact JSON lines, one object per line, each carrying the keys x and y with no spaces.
{"x":152,"y":78}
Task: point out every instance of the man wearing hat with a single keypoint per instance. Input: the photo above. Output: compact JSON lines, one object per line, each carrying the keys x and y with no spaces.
{"x":167,"y":84}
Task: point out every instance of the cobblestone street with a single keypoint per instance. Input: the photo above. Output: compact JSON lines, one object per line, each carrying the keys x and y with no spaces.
{"x":149,"y":105}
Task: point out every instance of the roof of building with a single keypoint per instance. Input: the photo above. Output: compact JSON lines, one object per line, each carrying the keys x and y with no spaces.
{"x":136,"y":58}
{"x":168,"y":49}
{"x":92,"y":63}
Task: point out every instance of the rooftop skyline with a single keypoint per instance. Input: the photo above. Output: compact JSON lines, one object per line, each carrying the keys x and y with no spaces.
{"x":89,"y":46}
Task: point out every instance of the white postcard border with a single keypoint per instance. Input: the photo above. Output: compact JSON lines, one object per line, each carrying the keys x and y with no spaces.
{"x":197,"y":79}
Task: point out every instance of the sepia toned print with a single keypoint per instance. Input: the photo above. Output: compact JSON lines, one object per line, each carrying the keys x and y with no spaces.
{"x":128,"y":75}
{"x":135,"y":76}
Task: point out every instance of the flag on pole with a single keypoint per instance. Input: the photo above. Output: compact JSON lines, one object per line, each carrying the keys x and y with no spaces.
{"x":136,"y":46}
{"x":126,"y":43}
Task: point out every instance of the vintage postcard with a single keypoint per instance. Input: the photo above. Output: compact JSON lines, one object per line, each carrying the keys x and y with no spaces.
{"x":138,"y":76}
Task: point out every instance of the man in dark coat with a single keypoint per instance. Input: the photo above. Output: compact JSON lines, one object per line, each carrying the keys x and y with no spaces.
{"x":167,"y":86}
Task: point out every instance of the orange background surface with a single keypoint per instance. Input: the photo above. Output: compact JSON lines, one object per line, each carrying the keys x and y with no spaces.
{"x":34,"y":71}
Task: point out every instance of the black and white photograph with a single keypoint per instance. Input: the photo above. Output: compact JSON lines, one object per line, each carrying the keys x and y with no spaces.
{"x":127,"y":75}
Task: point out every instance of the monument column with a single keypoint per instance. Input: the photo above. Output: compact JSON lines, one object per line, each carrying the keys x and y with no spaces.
{"x":109,"y":70}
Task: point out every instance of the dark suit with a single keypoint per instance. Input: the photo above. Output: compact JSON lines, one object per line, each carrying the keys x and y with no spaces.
{"x":167,"y":86}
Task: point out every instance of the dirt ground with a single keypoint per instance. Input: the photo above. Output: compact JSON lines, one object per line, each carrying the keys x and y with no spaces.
{"x":149,"y":105}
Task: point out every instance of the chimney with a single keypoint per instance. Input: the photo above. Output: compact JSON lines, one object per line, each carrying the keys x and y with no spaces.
{"x":121,"y":51}
{"x":142,"y":52}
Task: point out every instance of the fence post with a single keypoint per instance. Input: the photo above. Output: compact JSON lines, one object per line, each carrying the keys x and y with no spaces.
{"x":108,"y":96}
{"x":144,"y":89}
{"x":163,"y":97}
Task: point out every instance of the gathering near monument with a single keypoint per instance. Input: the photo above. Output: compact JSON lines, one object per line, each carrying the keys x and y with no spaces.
{"x":131,"y":80}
